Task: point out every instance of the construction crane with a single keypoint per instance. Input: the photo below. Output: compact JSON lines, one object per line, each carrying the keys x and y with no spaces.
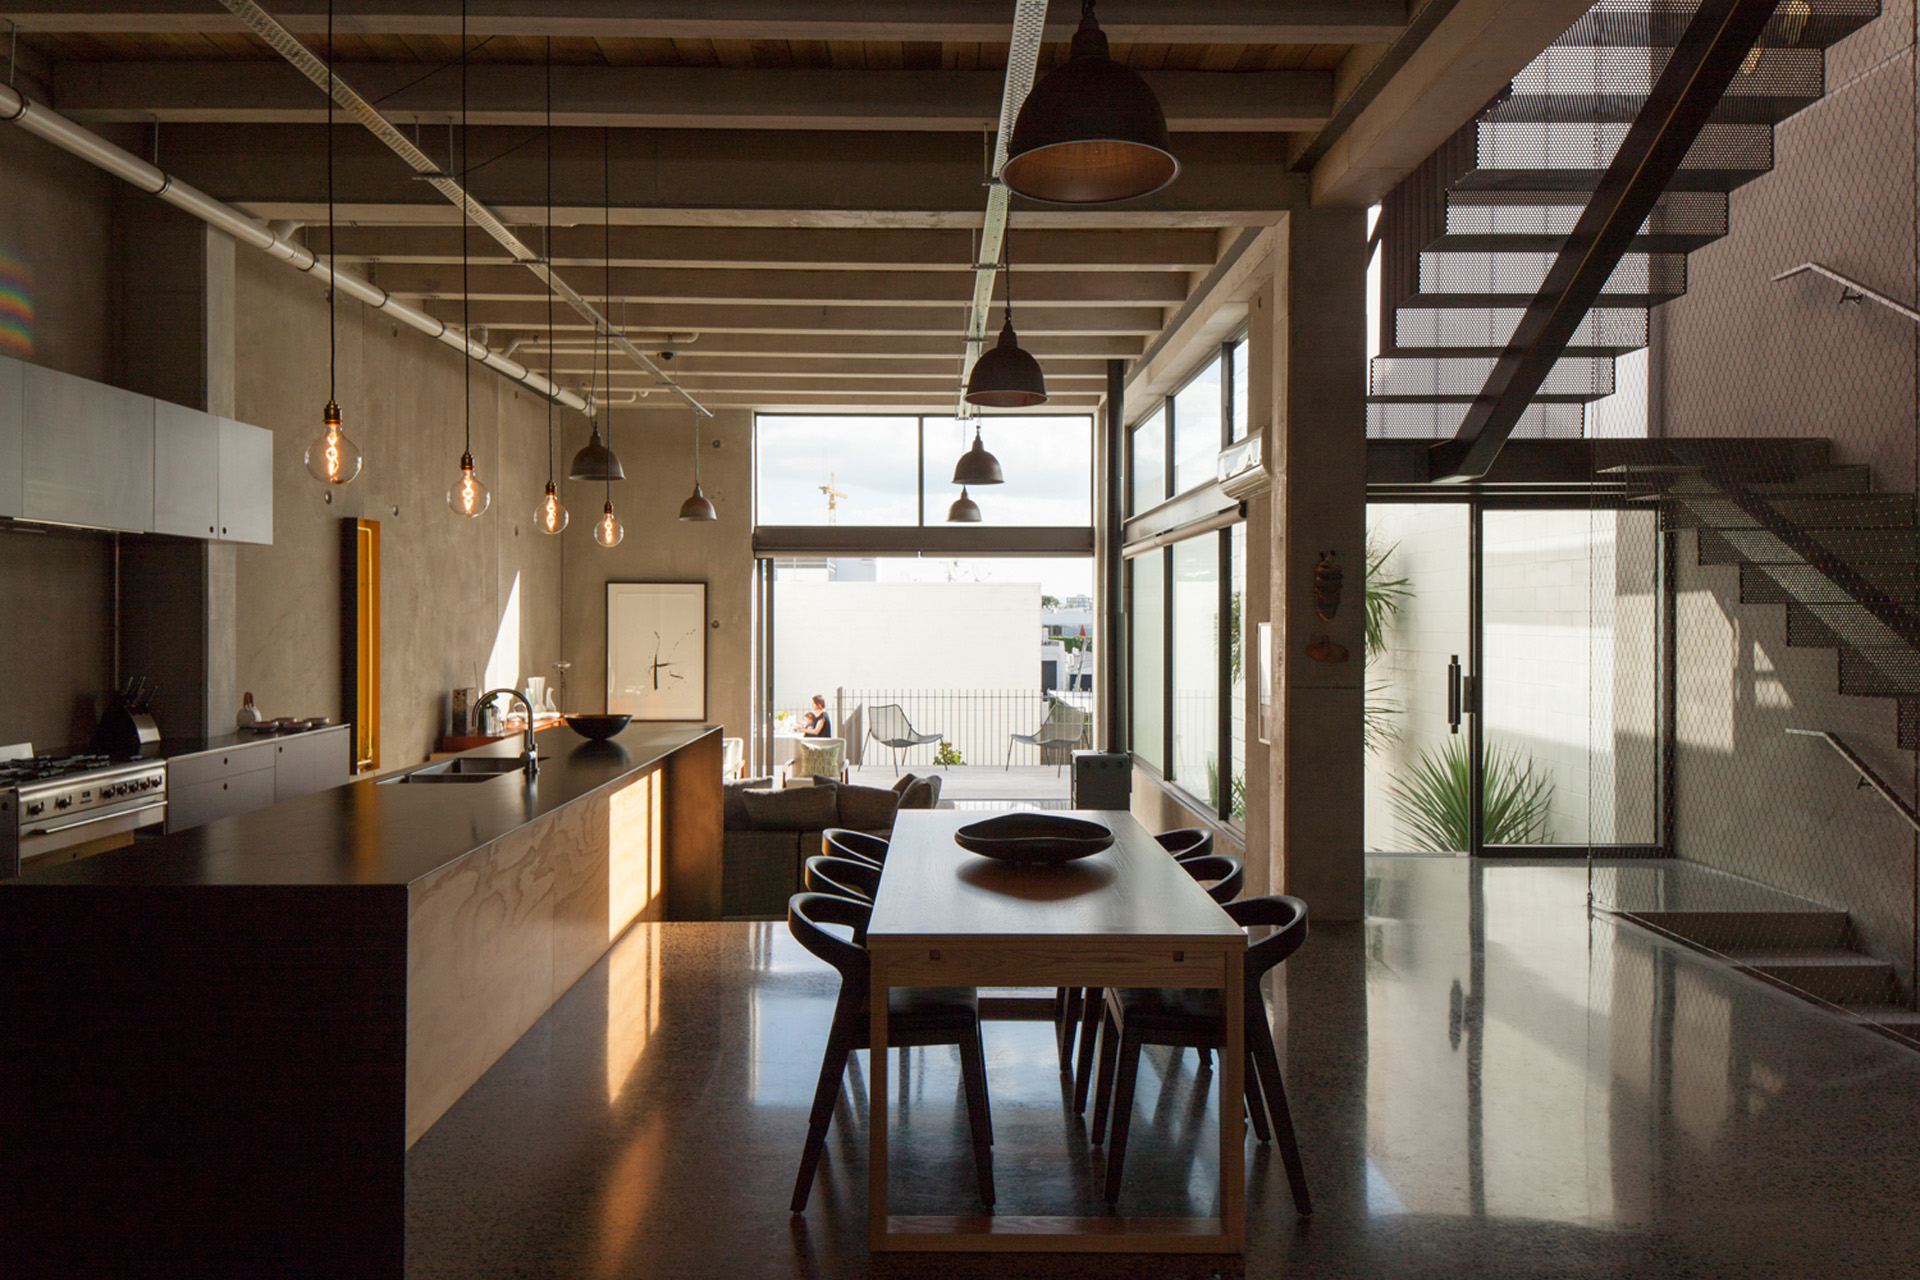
{"x":833,"y":497}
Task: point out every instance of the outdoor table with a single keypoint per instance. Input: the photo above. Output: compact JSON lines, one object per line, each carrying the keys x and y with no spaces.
{"x":1126,"y":917}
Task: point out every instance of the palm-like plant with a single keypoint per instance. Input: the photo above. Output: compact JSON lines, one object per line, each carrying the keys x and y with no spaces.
{"x":1385,"y":594}
{"x":1435,"y":798}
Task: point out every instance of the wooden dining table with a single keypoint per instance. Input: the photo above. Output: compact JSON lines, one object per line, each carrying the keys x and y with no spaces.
{"x":1129,"y":916}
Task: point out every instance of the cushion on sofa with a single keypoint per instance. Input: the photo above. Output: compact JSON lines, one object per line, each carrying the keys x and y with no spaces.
{"x":901,"y":783}
{"x":919,"y":794}
{"x":793,"y":808}
{"x":867,"y":808}
{"x":733,"y":809}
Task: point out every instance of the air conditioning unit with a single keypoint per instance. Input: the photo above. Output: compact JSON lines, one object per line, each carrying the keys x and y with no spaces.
{"x":1242,"y":470}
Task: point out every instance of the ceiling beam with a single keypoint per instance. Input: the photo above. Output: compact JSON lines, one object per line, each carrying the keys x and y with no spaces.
{"x":873,"y":346}
{"x":766,"y":287}
{"x":690,"y":364}
{"x":1143,"y":21}
{"x":628,"y":97}
{"x":947,"y":320}
{"x":787,"y":248}
{"x":705,"y":177}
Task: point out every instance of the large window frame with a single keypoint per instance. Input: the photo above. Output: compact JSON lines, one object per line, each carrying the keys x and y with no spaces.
{"x":1222,"y":805}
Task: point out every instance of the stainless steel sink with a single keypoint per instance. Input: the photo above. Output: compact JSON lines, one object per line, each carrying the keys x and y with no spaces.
{"x":462,"y":769}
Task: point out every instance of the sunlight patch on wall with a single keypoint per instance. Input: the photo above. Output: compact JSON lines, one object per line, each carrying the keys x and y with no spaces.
{"x":503,"y":663}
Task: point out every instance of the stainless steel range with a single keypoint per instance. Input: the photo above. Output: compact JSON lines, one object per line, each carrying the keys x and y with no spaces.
{"x":53,"y":803}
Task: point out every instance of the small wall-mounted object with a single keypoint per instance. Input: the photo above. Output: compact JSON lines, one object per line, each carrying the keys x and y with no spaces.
{"x":1328,"y":581}
{"x":1242,"y":470}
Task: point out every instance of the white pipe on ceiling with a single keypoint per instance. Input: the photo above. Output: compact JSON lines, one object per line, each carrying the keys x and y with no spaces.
{"x":289,"y":46}
{"x":50,"y":126}
{"x":1023,"y":58}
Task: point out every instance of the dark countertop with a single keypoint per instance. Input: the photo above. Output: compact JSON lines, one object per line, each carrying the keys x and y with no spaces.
{"x":174,"y":748}
{"x":366,"y":833}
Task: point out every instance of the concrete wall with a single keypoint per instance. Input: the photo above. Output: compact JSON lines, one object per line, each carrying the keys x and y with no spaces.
{"x":1741,"y":356}
{"x":56,"y":257}
{"x":654,"y":445}
{"x":446,"y":582}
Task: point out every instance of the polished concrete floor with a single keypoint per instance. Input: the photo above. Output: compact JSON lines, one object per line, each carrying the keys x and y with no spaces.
{"x":1486,"y":1081}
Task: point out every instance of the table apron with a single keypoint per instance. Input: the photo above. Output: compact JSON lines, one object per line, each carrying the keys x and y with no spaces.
{"x":942,"y":963}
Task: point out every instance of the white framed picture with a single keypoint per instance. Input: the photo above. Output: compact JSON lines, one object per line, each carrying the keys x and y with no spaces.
{"x":657,"y":650}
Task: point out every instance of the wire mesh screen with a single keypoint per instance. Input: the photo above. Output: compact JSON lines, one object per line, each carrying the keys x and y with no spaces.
{"x":1787,"y":407}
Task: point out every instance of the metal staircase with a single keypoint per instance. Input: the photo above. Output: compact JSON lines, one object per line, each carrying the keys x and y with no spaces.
{"x":1468,"y":238}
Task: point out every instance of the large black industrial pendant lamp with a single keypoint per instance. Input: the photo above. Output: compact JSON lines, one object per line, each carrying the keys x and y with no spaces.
{"x":332,"y":458}
{"x":964,"y":510}
{"x":597,"y":461}
{"x":976,"y":465}
{"x":1005,"y":376}
{"x":1091,"y":132}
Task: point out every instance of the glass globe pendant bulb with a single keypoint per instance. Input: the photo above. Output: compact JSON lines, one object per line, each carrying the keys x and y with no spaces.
{"x":468,"y":497}
{"x":551,"y":514}
{"x":332,"y":458}
{"x":609,"y":531}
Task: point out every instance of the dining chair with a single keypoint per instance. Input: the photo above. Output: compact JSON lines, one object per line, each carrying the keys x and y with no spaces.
{"x":857,"y":845}
{"x":1186,"y":842}
{"x":1223,"y":875}
{"x":842,"y":877}
{"x":916,"y":1016}
{"x":1191,"y":1017}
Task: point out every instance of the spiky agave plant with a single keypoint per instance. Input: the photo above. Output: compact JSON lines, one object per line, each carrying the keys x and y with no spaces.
{"x":1385,"y":593}
{"x":1435,"y":797}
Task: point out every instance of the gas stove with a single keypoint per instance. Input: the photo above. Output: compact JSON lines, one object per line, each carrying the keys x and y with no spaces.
{"x":52,"y":803}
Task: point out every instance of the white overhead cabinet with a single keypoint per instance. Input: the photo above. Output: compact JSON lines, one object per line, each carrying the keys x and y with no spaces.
{"x":186,"y":472}
{"x":10,"y":430}
{"x":87,"y":455}
{"x":83,"y":453}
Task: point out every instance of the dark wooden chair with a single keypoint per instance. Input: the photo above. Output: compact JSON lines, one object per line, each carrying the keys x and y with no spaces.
{"x":858,"y":845}
{"x":1186,"y":842}
{"x":1191,"y":1017}
{"x":842,"y":877}
{"x":1223,"y":874}
{"x":916,"y":1016}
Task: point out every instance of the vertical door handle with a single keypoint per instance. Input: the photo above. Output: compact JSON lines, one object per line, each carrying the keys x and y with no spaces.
{"x":1453,"y":694}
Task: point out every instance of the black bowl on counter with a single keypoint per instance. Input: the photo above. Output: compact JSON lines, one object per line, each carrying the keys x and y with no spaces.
{"x":1033,"y":838}
{"x":596,"y":728}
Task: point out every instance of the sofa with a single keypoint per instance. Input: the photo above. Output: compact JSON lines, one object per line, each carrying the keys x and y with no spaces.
{"x":769,"y":834}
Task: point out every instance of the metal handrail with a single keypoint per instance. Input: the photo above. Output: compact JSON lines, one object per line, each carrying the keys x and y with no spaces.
{"x":1867,"y":776}
{"x":1858,"y":290}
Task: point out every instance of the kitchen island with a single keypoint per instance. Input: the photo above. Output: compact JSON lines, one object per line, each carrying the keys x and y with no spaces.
{"x":220,"y":1044}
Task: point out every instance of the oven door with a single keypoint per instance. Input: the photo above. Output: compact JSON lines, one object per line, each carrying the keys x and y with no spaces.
{"x":39,"y":840}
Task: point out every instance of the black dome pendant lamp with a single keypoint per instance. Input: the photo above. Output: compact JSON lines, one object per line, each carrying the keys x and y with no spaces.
{"x":699,"y":506}
{"x":976,"y":465}
{"x":596,"y":460}
{"x":1005,"y":376}
{"x":964,"y":509}
{"x":1091,"y":132}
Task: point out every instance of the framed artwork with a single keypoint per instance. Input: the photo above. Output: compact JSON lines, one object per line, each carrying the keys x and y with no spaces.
{"x":657,"y":650}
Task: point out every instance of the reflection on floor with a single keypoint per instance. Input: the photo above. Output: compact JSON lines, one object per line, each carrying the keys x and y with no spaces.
{"x":1486,"y":1082}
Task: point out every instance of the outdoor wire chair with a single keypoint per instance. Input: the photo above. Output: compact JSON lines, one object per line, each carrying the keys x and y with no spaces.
{"x":888,"y":725}
{"x":1064,"y":726}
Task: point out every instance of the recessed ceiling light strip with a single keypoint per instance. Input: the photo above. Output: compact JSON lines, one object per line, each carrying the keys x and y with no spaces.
{"x":290,"y":47}
{"x":1023,"y":58}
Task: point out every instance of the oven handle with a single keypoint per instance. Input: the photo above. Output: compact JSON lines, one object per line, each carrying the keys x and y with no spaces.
{"x":87,"y":822}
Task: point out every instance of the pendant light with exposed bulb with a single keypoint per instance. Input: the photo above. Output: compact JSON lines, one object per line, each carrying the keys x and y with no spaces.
{"x":698,"y":507}
{"x":332,"y":458}
{"x":609,"y":531}
{"x":468,"y":497}
{"x":1006,"y":376}
{"x":597,"y":461}
{"x":551,"y":515}
{"x":1091,"y":132}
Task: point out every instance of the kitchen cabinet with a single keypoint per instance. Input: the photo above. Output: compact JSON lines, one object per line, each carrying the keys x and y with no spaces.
{"x":246,"y":483}
{"x":218,"y":784}
{"x":10,"y":435}
{"x":186,"y":471}
{"x":86,"y":452}
{"x":310,"y":762}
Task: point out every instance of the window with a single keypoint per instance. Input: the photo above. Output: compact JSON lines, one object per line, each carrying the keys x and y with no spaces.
{"x":1237,"y":386}
{"x":857,"y":469}
{"x":1195,"y":608}
{"x":1147,"y":619}
{"x":1148,"y":466}
{"x":1238,"y":651}
{"x":1196,"y":429}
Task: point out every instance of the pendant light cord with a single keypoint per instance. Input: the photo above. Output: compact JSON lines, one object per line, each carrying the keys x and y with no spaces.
{"x":333,"y":250}
{"x":466,"y":289}
{"x":549,"y":249}
{"x":606,"y":277}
